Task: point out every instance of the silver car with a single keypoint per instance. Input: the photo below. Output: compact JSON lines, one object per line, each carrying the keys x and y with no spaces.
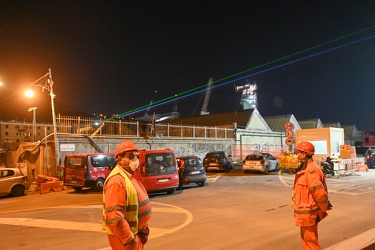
{"x":12,"y":182}
{"x":261,"y":162}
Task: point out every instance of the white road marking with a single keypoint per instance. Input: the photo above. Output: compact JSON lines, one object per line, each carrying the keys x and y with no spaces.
{"x":97,"y":227}
{"x":213,"y":178}
{"x":53,"y":224}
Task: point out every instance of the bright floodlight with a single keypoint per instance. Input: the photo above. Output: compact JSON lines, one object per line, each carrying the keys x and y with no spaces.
{"x":29,"y":93}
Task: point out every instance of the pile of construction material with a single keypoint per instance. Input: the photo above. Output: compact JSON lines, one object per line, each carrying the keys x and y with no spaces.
{"x":47,"y":184}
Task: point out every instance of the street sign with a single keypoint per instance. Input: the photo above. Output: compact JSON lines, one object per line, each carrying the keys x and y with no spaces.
{"x":67,"y":147}
{"x":288,"y":161}
{"x":289,"y":126}
{"x":289,"y":141}
{"x":289,"y":133}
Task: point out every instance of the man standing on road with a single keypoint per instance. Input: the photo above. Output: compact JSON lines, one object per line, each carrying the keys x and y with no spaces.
{"x":127,"y":208}
{"x":309,"y":197}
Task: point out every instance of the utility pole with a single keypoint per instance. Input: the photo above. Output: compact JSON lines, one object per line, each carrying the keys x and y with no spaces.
{"x":57,"y":150}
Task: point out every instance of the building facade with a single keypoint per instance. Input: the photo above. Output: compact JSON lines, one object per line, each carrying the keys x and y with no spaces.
{"x":13,"y":133}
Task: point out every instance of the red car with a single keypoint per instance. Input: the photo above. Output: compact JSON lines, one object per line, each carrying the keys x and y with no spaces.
{"x":158,"y":170}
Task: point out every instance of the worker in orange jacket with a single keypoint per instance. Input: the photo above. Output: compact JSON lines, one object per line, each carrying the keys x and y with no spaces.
{"x":127,"y":208}
{"x":310,"y":196}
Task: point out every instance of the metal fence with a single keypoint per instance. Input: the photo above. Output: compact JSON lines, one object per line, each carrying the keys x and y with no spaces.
{"x":99,"y":127}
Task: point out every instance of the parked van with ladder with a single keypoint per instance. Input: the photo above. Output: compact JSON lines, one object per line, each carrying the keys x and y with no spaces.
{"x":87,"y":170}
{"x":158,"y":170}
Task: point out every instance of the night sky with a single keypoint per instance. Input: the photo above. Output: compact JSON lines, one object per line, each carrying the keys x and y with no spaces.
{"x":312,"y":59}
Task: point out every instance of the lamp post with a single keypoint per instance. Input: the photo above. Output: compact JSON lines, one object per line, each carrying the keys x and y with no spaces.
{"x":34,"y":122}
{"x":57,"y":151}
{"x":48,"y":85}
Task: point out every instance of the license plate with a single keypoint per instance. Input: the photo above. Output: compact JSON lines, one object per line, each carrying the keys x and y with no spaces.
{"x":214,"y":164}
{"x":163,"y":180}
{"x":195,"y":172}
{"x":73,"y":181}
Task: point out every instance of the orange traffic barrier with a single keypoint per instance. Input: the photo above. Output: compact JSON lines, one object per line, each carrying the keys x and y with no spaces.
{"x":360,"y":167}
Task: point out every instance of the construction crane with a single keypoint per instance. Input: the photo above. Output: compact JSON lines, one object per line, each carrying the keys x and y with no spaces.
{"x":207,"y":98}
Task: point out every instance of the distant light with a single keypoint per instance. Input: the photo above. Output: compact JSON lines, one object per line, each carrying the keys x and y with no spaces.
{"x":29,"y":93}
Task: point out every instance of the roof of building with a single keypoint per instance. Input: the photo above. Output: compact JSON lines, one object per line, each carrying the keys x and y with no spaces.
{"x":311,"y":123}
{"x":276,"y":123}
{"x":350,"y":130}
{"x":332,"y":125}
{"x":240,"y":117}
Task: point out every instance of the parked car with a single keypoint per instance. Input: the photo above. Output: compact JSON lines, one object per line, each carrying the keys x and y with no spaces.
{"x":262,"y":162}
{"x":219,"y":160}
{"x":158,"y":171}
{"x":12,"y":182}
{"x":87,"y":170}
{"x":370,"y":157}
{"x":190,"y":171}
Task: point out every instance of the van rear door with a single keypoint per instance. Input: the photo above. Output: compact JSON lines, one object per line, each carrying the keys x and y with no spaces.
{"x":159,"y":170}
{"x":75,"y":170}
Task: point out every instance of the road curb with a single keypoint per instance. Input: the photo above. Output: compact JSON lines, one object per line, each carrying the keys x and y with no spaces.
{"x":363,"y":241}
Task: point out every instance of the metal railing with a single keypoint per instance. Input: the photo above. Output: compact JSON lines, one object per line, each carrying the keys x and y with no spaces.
{"x":99,"y":127}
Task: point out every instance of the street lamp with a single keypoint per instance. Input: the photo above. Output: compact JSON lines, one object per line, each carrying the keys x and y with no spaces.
{"x":34,"y":122}
{"x":48,"y":85}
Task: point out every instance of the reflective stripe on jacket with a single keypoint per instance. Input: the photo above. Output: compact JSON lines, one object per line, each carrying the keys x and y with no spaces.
{"x":309,"y":195}
{"x":131,"y":207}
{"x":115,"y":198}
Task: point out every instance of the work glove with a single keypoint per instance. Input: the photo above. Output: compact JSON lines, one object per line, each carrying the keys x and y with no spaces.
{"x":329,"y":205}
{"x":143,"y":235}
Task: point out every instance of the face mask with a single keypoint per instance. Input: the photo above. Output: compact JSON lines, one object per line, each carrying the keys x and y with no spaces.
{"x":133,"y":164}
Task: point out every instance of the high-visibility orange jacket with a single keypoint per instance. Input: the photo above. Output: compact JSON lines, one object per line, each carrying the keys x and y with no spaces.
{"x":310,"y":195}
{"x":115,"y":210}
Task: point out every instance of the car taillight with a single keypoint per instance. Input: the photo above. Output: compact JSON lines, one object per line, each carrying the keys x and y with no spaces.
{"x":182,"y":166}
